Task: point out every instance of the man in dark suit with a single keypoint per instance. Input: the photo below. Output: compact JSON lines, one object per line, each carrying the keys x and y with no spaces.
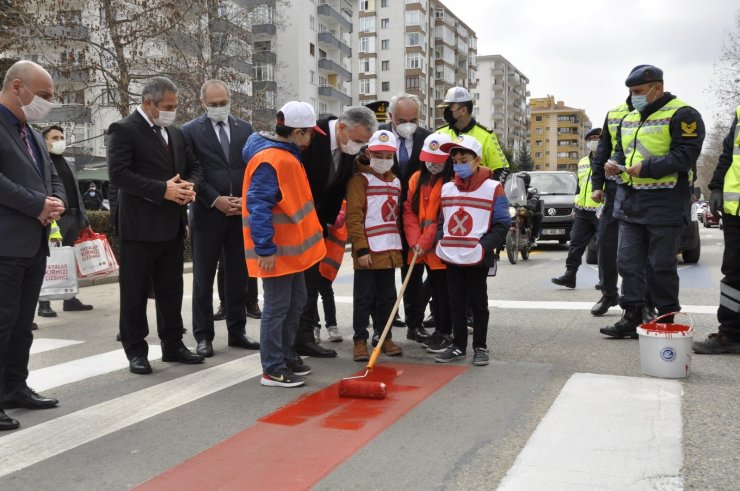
{"x":329,"y":163}
{"x":157,"y":175}
{"x":403,"y":113}
{"x":31,"y":196}
{"x":217,"y":139}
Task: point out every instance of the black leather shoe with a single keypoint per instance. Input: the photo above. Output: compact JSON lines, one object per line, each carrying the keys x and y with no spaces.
{"x":181,"y":355}
{"x":568,"y":280}
{"x":417,"y":334}
{"x":626,"y":327}
{"x":27,"y":398}
{"x":429,"y":322}
{"x":220,"y":313}
{"x":313,"y":349}
{"x":74,"y":305}
{"x":34,"y":326}
{"x":253,"y":311}
{"x":139,"y":365}
{"x":398,"y":322}
{"x":45,"y":309}
{"x":6,"y":422}
{"x":243,"y":342}
{"x":205,"y":349}
{"x":602,"y":306}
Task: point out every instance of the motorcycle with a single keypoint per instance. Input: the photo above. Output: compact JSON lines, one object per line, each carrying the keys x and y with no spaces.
{"x":518,"y":238}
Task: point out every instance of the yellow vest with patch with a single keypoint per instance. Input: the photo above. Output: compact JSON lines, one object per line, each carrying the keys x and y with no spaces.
{"x":493,"y":156}
{"x":651,"y":138}
{"x":731,"y":189}
{"x":583,"y":199}
{"x":613,"y":118}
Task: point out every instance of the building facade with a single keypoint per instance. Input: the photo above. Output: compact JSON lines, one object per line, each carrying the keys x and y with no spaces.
{"x":557,"y":133}
{"x":501,"y":101}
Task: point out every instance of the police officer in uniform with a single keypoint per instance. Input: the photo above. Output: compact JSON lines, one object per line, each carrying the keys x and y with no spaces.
{"x":725,"y":198}
{"x":585,"y":222}
{"x":458,"y":113}
{"x":657,"y":145}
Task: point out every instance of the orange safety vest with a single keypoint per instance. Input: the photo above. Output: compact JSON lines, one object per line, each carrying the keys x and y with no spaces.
{"x":298,"y":233}
{"x":335,"y":242}
{"x":429,"y":200}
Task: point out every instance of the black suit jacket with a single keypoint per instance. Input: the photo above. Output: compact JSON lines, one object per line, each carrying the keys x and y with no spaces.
{"x":139,"y":165}
{"x":316,"y":160}
{"x":23,"y":192}
{"x":82,"y":220}
{"x":222,"y":175}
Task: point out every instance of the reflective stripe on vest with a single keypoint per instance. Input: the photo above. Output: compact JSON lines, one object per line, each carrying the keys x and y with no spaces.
{"x":613,"y":119}
{"x":429,"y":197}
{"x":382,"y":213}
{"x":467,"y":216}
{"x":583,"y":199}
{"x":731,"y":188}
{"x":298,"y":236}
{"x":642,"y":140}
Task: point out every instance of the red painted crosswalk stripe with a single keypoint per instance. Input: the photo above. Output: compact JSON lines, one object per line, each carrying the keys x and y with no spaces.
{"x":335,"y":427}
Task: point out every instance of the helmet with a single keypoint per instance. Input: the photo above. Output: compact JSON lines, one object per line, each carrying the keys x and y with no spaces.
{"x":526,"y":178}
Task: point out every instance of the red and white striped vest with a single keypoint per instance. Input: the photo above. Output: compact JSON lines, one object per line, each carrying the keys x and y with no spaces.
{"x":382,"y":214}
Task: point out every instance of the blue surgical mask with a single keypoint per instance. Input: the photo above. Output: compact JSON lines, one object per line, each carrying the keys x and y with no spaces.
{"x":639,"y":102}
{"x":463,"y":171}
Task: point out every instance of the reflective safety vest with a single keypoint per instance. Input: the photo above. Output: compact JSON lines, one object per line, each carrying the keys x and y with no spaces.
{"x":493,"y":156}
{"x":55,"y":232}
{"x":583,"y":199}
{"x":335,"y":242}
{"x":298,"y":234}
{"x":467,"y":216}
{"x":731,"y":189}
{"x":429,"y":201}
{"x":613,"y":119}
{"x":382,"y":213}
{"x":642,"y":140}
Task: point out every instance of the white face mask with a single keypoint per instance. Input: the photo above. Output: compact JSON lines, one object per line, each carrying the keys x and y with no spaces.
{"x":219,"y":114}
{"x":381,"y":166}
{"x":58,"y":147}
{"x":351,"y":147}
{"x":37,"y":109}
{"x":165,"y":119}
{"x":433,"y":168}
{"x":405,"y":130}
{"x":592,"y":145}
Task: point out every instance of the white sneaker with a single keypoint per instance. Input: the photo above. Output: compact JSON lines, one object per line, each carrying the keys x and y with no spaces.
{"x":334,"y":335}
{"x":317,"y":334}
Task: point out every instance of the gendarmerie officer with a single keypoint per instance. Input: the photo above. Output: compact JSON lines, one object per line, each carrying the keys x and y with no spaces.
{"x":657,"y":146}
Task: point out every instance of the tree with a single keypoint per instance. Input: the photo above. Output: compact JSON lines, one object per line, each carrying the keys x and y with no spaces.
{"x":509,"y":154}
{"x":524,"y":158}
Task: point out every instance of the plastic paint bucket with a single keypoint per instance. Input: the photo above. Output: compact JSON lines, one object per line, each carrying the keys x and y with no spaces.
{"x":665,"y":349}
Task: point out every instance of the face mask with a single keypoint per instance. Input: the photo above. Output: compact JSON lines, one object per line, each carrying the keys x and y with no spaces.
{"x":351,"y":147}
{"x":165,"y":119}
{"x":219,"y":114}
{"x":301,"y":145}
{"x":639,"y":102}
{"x":463,"y":171}
{"x":592,"y":145}
{"x":381,"y":166}
{"x":433,"y":168}
{"x":449,"y":117}
{"x":37,"y":109}
{"x":405,"y":130}
{"x":58,"y":147}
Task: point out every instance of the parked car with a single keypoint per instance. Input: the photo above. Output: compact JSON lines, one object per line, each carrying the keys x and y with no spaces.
{"x":557,"y":191}
{"x":700,"y":210}
{"x":709,"y":219}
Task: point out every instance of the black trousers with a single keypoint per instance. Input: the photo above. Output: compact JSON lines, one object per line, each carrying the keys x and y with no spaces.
{"x":646,"y":260}
{"x":142,"y":263}
{"x":252,"y":287}
{"x":310,"y":314}
{"x":606,"y":244}
{"x":466,"y":285}
{"x":585,"y":226}
{"x":20,"y":283}
{"x":414,"y":302}
{"x":374,"y":295}
{"x":327,"y":299}
{"x":728,"y":313}
{"x":223,"y":241}
{"x":440,"y":304}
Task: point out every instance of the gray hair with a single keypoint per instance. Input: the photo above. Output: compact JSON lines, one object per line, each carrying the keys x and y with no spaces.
{"x":155,"y":87}
{"x":21,"y":70}
{"x":403,"y":96}
{"x":359,"y":115}
{"x":209,"y":83}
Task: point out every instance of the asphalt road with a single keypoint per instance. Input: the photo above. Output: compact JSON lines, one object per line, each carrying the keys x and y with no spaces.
{"x":107,"y":434}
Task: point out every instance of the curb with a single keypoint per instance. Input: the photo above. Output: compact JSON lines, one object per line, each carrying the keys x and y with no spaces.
{"x":113,"y":278}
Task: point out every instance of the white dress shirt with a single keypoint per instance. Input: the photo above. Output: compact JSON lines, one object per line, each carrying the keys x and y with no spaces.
{"x":162,"y":131}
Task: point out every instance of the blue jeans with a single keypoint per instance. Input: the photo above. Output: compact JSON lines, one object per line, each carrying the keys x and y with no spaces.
{"x":284,"y":299}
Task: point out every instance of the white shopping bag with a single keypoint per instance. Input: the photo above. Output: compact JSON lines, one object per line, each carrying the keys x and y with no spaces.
{"x":94,"y":255}
{"x":60,"y":280}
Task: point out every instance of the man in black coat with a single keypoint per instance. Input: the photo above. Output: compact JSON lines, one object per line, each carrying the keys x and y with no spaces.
{"x":329,"y":163}
{"x":217,"y":139}
{"x":157,"y":175}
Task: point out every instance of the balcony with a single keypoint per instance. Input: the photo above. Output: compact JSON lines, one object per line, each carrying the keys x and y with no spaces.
{"x":332,"y":66}
{"x":224,"y":25}
{"x":267,"y":28}
{"x":238,"y":64}
{"x":333,"y":93}
{"x":327,"y":10}
{"x":69,"y":74}
{"x":69,"y":113}
{"x":68,"y":33}
{"x":264,"y":57}
{"x":264,"y":85}
{"x":328,"y":39}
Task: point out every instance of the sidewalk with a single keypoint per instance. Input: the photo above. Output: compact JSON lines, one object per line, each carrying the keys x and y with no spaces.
{"x":113,"y":278}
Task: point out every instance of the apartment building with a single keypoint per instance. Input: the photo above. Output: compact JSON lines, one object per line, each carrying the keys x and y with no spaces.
{"x":556,"y":134}
{"x":414,"y":46}
{"x":501,"y":101}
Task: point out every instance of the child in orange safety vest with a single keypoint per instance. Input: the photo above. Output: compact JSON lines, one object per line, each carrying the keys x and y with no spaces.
{"x":372,"y":219}
{"x":420,"y":216}
{"x":329,"y":268}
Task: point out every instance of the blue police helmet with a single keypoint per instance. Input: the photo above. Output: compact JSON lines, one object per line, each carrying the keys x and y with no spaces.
{"x":643,"y":74}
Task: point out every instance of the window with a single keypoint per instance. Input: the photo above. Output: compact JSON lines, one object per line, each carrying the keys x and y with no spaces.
{"x":367,"y":24}
{"x":538,"y":143}
{"x":312,"y":22}
{"x":263,"y":72}
{"x":413,"y":82}
{"x":384,"y":23}
{"x":311,"y":49}
{"x":367,"y":65}
{"x":413,"y":39}
{"x":538,"y":155}
{"x":385,"y":86}
{"x":313,"y":77}
{"x":385,"y":44}
{"x":538,"y":131}
{"x":262,"y":46}
{"x":383,"y":4}
{"x":363,"y":5}
{"x":414,"y":60}
{"x":413,"y":18}
{"x":367,"y":86}
{"x":367,"y":45}
{"x":385,"y":65}
{"x":538,"y":118}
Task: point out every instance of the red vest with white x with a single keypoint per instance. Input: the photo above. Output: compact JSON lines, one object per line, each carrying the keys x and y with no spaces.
{"x":382,"y":212}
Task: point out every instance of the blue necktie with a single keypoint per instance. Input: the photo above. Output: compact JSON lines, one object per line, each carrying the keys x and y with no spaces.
{"x":403,"y":155}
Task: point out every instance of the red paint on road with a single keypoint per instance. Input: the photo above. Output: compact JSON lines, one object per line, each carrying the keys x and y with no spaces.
{"x":322,"y":427}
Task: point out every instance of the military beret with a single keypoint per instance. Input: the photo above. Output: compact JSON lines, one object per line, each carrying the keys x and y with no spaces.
{"x":644,"y":74}
{"x":594,"y":132}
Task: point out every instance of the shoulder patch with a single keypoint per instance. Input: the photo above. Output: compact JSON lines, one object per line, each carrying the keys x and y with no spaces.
{"x":484,"y":127}
{"x":688,"y":130}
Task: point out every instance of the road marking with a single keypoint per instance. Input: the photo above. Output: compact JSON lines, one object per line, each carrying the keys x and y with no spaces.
{"x":82,"y":368}
{"x":47,"y":344}
{"x":335,"y":427}
{"x":30,"y":446}
{"x":605,"y":432}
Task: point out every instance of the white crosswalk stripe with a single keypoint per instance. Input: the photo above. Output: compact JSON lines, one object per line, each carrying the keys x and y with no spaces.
{"x":47,"y":344}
